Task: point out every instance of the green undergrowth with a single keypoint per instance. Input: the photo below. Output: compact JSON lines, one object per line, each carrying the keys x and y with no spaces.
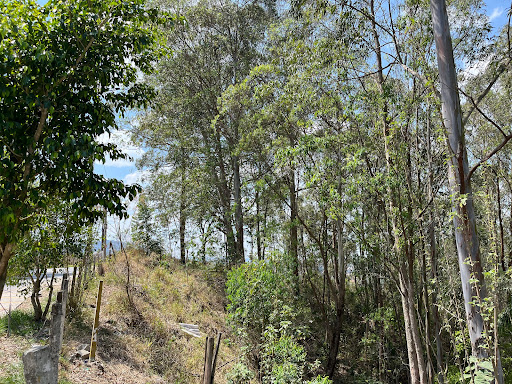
{"x":22,"y":323}
{"x":13,"y":374}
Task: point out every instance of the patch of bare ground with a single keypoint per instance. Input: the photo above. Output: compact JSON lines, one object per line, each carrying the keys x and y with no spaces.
{"x":11,"y":349}
{"x":101,"y":372}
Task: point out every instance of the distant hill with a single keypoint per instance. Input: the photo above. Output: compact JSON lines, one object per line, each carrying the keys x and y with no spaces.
{"x":115,"y":243}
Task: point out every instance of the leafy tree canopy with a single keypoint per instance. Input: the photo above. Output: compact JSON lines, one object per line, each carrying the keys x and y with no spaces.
{"x":68,"y":68}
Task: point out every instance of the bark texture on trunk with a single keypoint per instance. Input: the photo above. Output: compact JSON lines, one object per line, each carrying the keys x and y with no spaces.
{"x":258,"y":233}
{"x":293,"y":224}
{"x":464,"y":222}
{"x":5,"y":255}
{"x":34,"y":299}
{"x":402,"y":246}
{"x":182,"y":235}
{"x":340,"y":303}
{"x":239,"y":216}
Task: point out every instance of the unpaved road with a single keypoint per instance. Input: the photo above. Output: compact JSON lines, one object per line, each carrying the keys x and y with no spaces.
{"x":13,"y":296}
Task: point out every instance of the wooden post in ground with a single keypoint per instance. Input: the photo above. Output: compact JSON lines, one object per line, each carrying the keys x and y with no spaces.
{"x":9,"y":313}
{"x":9,"y":321}
{"x":204,"y":360}
{"x":215,"y":356}
{"x":94,"y":337}
{"x":64,"y":287}
{"x":208,"y":361}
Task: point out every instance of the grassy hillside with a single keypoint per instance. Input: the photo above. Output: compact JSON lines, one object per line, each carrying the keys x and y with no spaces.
{"x":140,"y":340}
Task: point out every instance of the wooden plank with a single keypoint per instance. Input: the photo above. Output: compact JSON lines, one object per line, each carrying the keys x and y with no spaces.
{"x":191,"y":332}
{"x":190,"y":329}
{"x":189,"y":325}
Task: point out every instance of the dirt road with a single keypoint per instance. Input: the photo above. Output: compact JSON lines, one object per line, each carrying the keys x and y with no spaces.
{"x":13,"y":296}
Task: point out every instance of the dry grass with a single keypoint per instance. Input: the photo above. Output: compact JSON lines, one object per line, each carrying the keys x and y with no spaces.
{"x":144,"y":335}
{"x":11,"y":349}
{"x":139,"y":340}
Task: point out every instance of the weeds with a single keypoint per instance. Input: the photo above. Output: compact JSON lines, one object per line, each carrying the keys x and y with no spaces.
{"x":13,"y":375}
{"x":22,"y":323}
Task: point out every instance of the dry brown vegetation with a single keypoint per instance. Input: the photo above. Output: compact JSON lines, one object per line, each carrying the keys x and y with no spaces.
{"x":140,"y":340}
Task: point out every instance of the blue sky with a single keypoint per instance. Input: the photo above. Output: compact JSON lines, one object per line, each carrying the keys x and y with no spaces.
{"x":126,"y":170}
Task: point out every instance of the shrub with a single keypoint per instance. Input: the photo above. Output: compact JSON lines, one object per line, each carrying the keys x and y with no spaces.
{"x":239,"y":374}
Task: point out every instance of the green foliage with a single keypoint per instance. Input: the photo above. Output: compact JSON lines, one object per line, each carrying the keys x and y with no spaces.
{"x":22,"y":323}
{"x":55,"y":239}
{"x":144,"y":233}
{"x":257,"y":292}
{"x":13,"y":375}
{"x":282,"y":358}
{"x":68,"y":70}
{"x":479,"y":371}
{"x":193,"y":161}
{"x":320,"y":380}
{"x":268,"y":316}
{"x":239,"y":374}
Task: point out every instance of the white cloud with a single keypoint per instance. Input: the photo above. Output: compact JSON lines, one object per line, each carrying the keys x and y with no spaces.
{"x":496,"y":12}
{"x":475,"y":69}
{"x":119,"y":229}
{"x":138,"y":177}
{"x":122,"y":139}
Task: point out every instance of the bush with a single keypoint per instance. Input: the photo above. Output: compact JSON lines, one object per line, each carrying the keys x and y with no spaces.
{"x":255,"y":292}
{"x":265,"y":311}
{"x":239,"y":374}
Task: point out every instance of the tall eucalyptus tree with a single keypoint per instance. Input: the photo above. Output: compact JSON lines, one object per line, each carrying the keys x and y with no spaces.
{"x":216,"y":47}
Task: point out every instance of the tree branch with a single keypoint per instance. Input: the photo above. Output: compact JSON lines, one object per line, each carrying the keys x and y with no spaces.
{"x":487,"y":157}
{"x":475,"y":106}
{"x":501,"y":69}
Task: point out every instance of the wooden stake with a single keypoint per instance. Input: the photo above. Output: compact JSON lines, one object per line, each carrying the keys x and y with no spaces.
{"x":208,"y":362}
{"x":9,"y":322}
{"x":215,"y":356}
{"x":94,"y":336}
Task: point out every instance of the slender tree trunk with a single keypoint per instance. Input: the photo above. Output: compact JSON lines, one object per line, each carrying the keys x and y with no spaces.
{"x":5,"y":255}
{"x":340,"y":303}
{"x":224,"y":197}
{"x":104,"y":235}
{"x":50,"y":294}
{"x":72,"y":294}
{"x":239,"y":218}
{"x":433,"y":256}
{"x":464,"y":221}
{"x":182,"y":234}
{"x":417,"y":367}
{"x":411,"y":349}
{"x":182,"y":214}
{"x":258,"y":234}
{"x":510,"y":227}
{"x":500,"y":223}
{"x":34,"y":298}
{"x":293,"y":217}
